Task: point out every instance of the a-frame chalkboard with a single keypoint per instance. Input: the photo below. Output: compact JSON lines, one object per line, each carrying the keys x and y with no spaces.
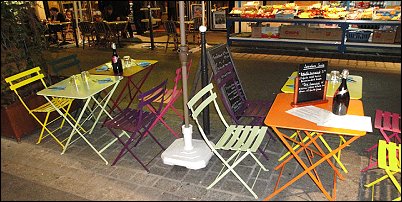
{"x":223,"y":68}
{"x":311,"y":84}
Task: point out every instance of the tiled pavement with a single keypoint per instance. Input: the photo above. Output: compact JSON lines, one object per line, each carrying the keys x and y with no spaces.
{"x":82,"y":173}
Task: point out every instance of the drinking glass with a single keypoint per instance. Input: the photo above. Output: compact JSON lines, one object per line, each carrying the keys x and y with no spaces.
{"x":335,"y":76}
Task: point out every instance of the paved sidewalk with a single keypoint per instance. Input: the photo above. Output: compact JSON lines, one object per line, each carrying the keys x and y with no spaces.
{"x":80,"y":173}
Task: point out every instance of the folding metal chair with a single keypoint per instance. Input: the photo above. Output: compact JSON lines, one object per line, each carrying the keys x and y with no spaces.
{"x":389,"y":125}
{"x":237,"y":138}
{"x":389,"y":159}
{"x":194,"y":29}
{"x":87,"y":30}
{"x":171,"y":96}
{"x":137,"y":122}
{"x":171,"y":31}
{"x":31,"y":77}
{"x":241,"y":109}
{"x":103,"y":34}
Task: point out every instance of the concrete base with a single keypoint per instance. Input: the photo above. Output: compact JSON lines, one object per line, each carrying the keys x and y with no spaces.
{"x":192,"y":154}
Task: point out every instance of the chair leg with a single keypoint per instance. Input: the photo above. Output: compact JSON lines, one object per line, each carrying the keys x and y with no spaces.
{"x":43,"y":128}
{"x":160,"y":118}
{"x":167,"y":42}
{"x":230,"y":168}
{"x":44,"y":124}
{"x":83,"y":41}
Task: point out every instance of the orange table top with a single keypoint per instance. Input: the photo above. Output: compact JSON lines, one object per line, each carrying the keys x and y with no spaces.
{"x":277,"y":116}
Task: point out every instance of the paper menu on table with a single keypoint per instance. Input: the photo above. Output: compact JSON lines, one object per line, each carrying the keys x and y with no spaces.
{"x":326,"y":118}
{"x":353,"y":122}
{"x":310,"y":113}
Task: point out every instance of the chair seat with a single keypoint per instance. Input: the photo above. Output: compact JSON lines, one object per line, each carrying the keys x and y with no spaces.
{"x":128,"y":120}
{"x":239,"y":137}
{"x":255,"y":108}
{"x":58,"y":102}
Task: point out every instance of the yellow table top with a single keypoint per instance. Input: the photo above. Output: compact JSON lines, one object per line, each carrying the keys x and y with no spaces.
{"x":127,"y":71}
{"x":355,"y":86}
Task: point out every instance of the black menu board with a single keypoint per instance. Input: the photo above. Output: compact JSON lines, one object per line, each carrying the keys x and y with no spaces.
{"x":224,"y":71}
{"x":310,"y":84}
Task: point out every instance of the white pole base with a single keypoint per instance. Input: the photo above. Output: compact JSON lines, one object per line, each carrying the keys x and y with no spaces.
{"x":192,"y":154}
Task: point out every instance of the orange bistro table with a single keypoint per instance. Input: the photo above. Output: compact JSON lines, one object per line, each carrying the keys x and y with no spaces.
{"x":128,"y":72}
{"x":278,"y":119}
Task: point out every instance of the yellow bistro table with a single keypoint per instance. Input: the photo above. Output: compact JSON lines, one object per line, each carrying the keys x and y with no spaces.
{"x":85,"y":91}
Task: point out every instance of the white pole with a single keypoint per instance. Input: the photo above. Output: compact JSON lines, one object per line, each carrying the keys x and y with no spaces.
{"x":80,"y":9}
{"x":203,"y":13}
{"x":77,"y":29}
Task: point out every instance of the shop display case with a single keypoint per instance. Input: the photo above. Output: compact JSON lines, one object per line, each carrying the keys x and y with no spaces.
{"x":342,"y":44}
{"x":315,"y":24}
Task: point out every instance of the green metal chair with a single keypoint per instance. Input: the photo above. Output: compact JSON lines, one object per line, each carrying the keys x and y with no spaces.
{"x":238,"y":138}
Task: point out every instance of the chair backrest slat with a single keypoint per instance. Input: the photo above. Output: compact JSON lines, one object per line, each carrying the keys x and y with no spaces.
{"x":378,"y":119}
{"x":386,"y":121}
{"x":170,"y":27}
{"x":157,"y":92}
{"x":86,"y":27}
{"x":22,"y":74}
{"x":396,"y":122}
{"x":19,"y":84}
{"x":62,"y":63}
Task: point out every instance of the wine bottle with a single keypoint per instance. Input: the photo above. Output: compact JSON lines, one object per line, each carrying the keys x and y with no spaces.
{"x":116,"y":61}
{"x":341,"y":98}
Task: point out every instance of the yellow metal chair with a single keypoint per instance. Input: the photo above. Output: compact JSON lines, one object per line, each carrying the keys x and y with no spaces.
{"x":389,"y":159}
{"x":239,"y":139}
{"x":32,"y":76}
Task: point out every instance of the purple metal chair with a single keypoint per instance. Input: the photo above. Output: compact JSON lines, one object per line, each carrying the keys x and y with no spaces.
{"x":137,"y":122}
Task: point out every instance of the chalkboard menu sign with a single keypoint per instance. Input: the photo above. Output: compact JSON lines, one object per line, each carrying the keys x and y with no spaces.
{"x":310,"y":84}
{"x":225,"y":75}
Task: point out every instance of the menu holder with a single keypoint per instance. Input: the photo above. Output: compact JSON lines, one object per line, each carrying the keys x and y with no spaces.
{"x":310,"y":84}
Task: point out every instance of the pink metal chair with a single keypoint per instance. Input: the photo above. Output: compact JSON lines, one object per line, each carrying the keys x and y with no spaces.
{"x":137,"y":122}
{"x":170,"y":98}
{"x":389,"y":125}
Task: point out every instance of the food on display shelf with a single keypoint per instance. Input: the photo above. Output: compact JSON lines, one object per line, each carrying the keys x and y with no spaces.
{"x":236,"y":11}
{"x":367,"y":14}
{"x":305,"y":11}
{"x":387,"y":14}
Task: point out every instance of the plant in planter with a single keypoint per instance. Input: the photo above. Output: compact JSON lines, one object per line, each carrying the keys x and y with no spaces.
{"x":22,"y":47}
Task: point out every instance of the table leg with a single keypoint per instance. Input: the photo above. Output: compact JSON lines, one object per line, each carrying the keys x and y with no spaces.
{"x":138,"y":85}
{"x":307,"y":170}
{"x":75,"y":126}
{"x":103,"y":108}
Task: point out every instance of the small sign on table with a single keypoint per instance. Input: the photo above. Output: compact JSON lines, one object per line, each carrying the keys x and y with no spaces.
{"x":311,"y":84}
